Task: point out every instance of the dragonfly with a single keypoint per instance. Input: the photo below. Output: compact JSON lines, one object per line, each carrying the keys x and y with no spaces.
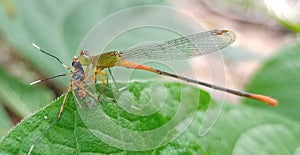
{"x":177,"y":49}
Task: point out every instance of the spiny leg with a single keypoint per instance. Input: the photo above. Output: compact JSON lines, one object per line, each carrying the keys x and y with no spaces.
{"x":88,"y":80}
{"x":82,"y":88}
{"x":103,"y":81}
{"x":114,"y":81}
{"x":64,"y":101}
{"x":87,"y":70}
{"x":53,"y":123}
{"x":117,"y":92}
{"x":76,"y":100}
{"x":100,"y":72}
{"x":95,"y":75}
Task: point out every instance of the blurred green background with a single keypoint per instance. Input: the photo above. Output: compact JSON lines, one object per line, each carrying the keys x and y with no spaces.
{"x":264,"y":59}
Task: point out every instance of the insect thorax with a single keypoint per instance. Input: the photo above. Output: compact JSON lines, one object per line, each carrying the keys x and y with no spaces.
{"x":107,"y":60}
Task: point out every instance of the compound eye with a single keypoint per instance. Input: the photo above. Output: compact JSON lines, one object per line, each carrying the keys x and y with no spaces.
{"x":84,"y":53}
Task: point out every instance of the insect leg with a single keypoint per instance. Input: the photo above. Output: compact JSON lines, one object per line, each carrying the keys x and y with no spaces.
{"x":64,"y":101}
{"x":53,"y":123}
{"x":82,"y":88}
{"x":103,"y":81}
{"x":76,"y":99}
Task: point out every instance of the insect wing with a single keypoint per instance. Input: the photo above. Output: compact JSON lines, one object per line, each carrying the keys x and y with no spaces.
{"x":184,"y":47}
{"x":86,"y":95}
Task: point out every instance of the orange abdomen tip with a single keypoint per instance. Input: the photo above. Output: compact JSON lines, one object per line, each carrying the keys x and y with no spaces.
{"x":265,"y":99}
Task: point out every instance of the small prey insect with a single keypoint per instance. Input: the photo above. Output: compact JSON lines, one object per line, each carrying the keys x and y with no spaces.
{"x":78,"y":80}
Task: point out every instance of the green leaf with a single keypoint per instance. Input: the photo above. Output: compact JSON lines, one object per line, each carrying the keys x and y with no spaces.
{"x":278,"y":78}
{"x":19,"y":98}
{"x":247,"y":130}
{"x":239,"y":129}
{"x":74,"y":134}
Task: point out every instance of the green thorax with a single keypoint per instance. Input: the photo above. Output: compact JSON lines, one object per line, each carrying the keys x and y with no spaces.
{"x":106,"y":60}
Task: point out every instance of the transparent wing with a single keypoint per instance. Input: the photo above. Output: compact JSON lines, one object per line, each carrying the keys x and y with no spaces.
{"x":184,"y":47}
{"x":86,"y":95}
{"x":90,"y":94}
